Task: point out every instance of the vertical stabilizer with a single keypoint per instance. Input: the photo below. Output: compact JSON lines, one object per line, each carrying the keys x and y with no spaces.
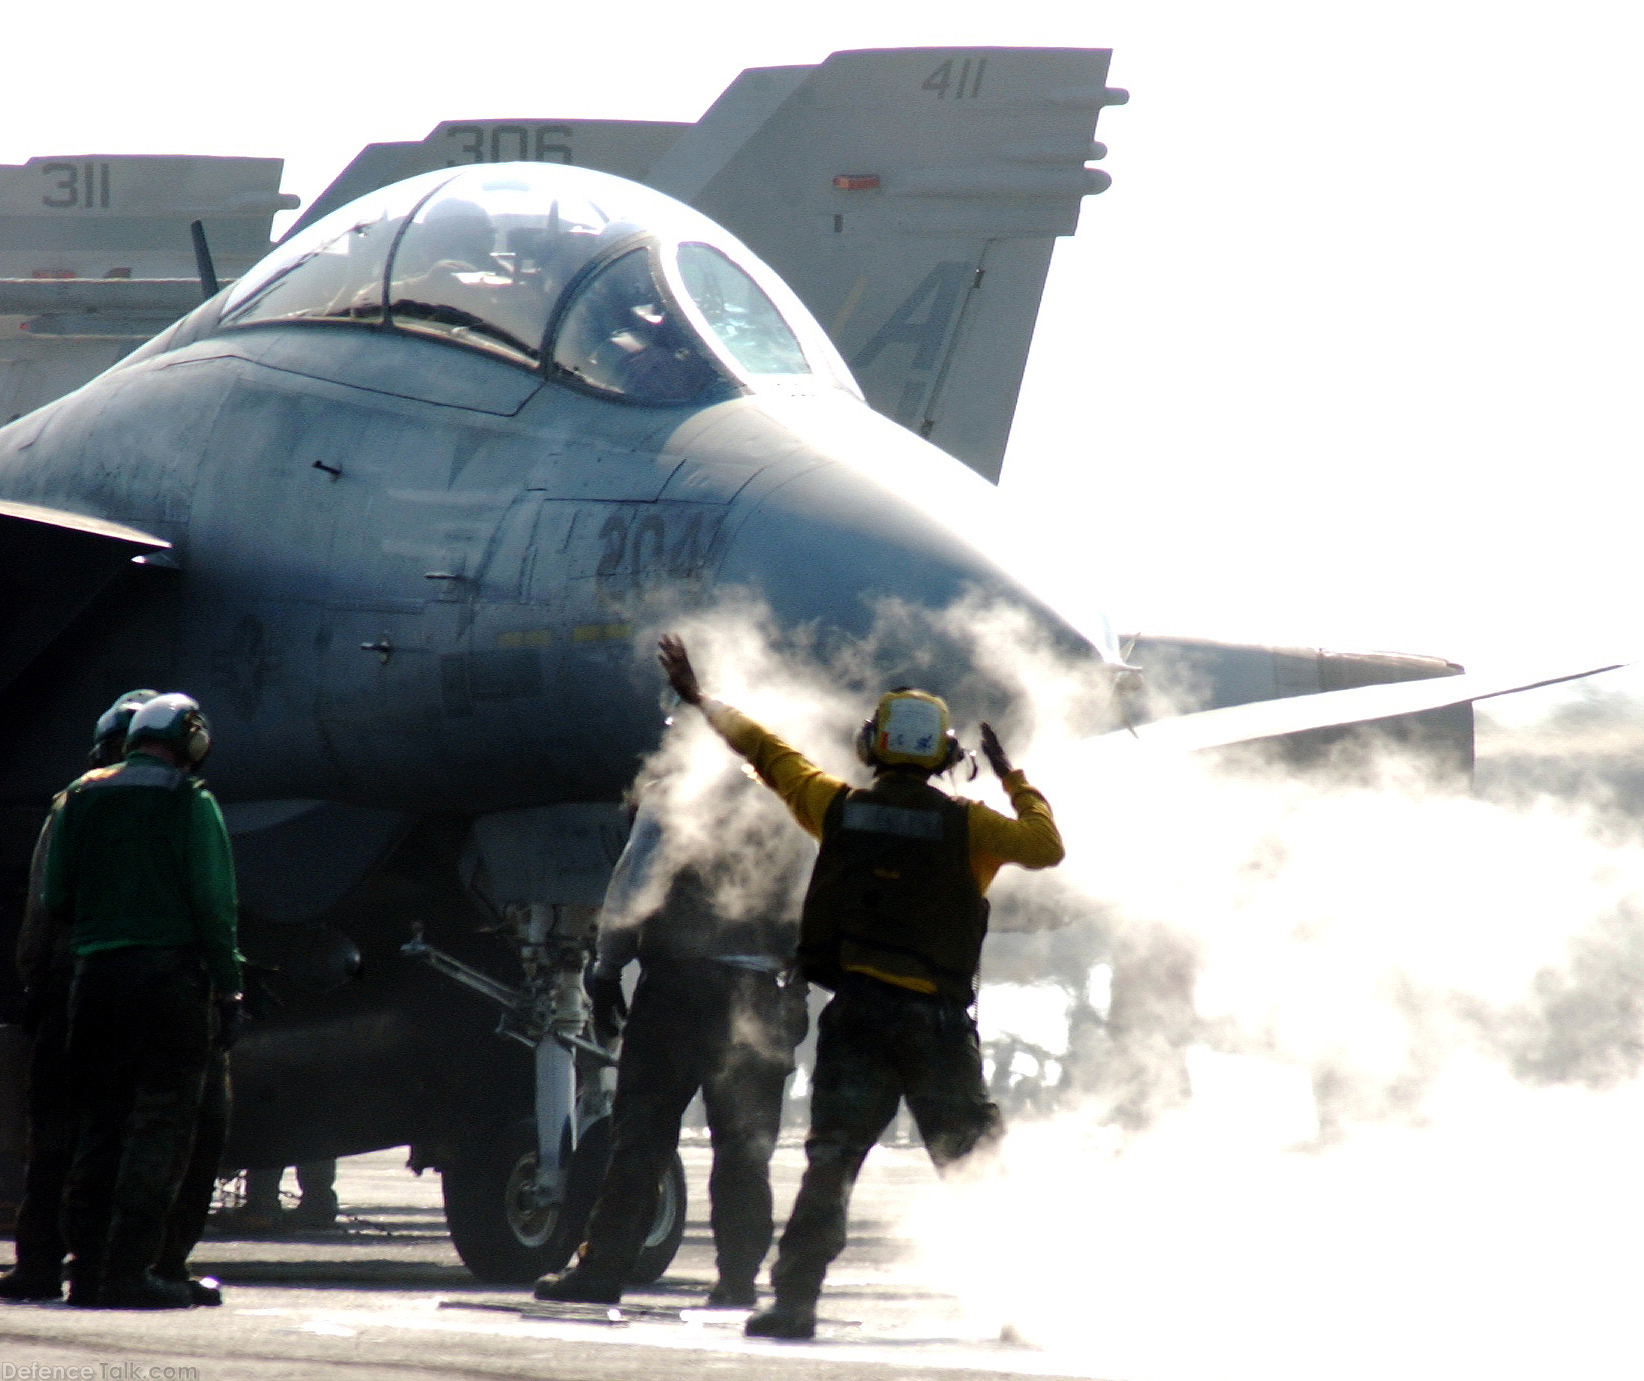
{"x":911,"y":197}
{"x":112,"y":232}
{"x":626,"y":148}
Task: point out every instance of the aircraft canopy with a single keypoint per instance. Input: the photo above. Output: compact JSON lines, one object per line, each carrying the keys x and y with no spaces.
{"x":565,"y":270}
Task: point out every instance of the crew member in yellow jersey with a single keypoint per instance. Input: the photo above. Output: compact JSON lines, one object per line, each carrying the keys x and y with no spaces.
{"x":893,"y":923}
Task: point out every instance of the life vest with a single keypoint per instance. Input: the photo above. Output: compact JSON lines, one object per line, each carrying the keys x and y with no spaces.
{"x":893,"y":891}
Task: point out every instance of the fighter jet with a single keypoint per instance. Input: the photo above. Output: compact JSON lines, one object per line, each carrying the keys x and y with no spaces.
{"x":401,"y":505}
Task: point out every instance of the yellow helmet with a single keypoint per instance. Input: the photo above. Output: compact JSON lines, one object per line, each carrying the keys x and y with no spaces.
{"x":909,"y":728}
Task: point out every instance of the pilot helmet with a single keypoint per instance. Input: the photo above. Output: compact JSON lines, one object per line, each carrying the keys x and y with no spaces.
{"x":909,"y":728}
{"x":108,"y":742}
{"x":175,"y":720}
{"x":459,"y":229}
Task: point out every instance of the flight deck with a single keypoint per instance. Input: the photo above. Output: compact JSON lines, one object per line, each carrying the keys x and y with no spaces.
{"x":385,"y":1296}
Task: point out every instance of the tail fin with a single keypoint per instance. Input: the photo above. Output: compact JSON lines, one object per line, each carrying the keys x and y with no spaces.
{"x":114,"y":216}
{"x":627,"y":148}
{"x":911,"y":197}
{"x":118,"y":227}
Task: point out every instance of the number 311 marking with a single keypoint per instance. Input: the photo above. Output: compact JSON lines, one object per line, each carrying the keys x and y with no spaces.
{"x":78,"y":184}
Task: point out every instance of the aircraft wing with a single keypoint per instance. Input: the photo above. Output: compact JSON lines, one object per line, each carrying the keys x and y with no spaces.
{"x":105,"y":309}
{"x":911,"y":197}
{"x":1230,"y":724}
{"x":52,"y":565}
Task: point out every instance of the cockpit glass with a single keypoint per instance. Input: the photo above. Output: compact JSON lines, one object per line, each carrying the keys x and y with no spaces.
{"x":334,"y":269}
{"x":485,"y":258}
{"x":621,"y":335}
{"x":739,"y":315}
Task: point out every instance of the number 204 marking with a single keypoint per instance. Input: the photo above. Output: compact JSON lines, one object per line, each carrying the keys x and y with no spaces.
{"x":969,"y":83}
{"x":636,"y":553}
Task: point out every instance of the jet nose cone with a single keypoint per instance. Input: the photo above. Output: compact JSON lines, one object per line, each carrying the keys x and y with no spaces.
{"x":831,"y":544}
{"x":855,"y":511}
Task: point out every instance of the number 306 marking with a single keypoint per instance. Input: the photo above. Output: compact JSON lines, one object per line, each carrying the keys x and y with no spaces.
{"x":510,"y":144}
{"x":941,"y":81}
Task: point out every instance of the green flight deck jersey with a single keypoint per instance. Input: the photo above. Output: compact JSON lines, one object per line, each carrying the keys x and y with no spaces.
{"x":139,"y":855}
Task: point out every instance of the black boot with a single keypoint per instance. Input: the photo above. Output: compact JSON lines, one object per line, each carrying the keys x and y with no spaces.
{"x":783,"y":1320}
{"x":144,"y":1290}
{"x":203,"y":1290}
{"x":580,"y":1286}
{"x":733,"y":1294}
{"x":18,"y":1283}
{"x":85,"y":1282}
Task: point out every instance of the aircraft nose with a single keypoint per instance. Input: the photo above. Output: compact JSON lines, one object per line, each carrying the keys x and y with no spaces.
{"x":832,"y":543}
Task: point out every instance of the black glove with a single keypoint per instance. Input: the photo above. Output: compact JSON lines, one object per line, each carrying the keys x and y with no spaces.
{"x":796,"y":1009}
{"x":230,"y":1021}
{"x":610,"y":1006}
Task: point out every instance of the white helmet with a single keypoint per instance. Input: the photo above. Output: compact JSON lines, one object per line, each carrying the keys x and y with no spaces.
{"x":175,"y":720}
{"x":108,"y":743}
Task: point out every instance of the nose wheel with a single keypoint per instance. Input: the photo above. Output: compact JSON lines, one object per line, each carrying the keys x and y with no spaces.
{"x":507,"y":1235}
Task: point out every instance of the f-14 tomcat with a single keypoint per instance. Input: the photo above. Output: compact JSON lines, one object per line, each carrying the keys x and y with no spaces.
{"x":394,"y":506}
{"x":389,"y":504}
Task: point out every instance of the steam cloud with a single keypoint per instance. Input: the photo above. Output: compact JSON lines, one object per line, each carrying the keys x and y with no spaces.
{"x":1365,"y":1098}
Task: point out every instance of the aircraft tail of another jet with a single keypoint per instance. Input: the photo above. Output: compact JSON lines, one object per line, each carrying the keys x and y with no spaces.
{"x":911,"y":197}
{"x":96,"y":256}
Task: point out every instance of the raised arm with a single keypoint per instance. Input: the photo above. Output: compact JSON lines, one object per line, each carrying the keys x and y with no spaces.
{"x":804,"y":787}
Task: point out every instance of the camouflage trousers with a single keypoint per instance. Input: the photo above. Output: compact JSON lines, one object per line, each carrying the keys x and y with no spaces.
{"x":877,"y":1044}
{"x":139,"y":1047}
{"x":731,"y":1033}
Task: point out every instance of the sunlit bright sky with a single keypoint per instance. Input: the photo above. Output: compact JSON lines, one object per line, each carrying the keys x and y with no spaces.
{"x":1346,"y":356}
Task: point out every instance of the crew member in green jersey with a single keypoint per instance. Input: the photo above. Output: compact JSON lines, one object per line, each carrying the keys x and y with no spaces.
{"x":139,"y":865}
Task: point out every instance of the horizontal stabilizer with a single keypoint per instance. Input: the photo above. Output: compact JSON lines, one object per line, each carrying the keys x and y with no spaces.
{"x":52,"y":565}
{"x":1262,"y":719}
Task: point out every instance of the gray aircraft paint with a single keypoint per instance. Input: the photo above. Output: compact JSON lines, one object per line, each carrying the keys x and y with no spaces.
{"x":931,"y":279}
{"x":409,"y":581}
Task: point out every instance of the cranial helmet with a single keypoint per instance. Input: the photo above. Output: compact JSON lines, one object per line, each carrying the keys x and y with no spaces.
{"x":909,"y":728}
{"x":177,"y":721}
{"x":109,"y":741}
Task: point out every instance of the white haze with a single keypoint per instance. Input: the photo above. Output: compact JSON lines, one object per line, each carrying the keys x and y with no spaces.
{"x":1387,"y":1123}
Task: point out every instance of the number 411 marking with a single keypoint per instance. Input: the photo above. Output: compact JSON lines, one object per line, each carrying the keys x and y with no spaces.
{"x":941,"y":80}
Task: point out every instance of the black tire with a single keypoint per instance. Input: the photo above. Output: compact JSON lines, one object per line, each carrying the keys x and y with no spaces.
{"x":667,"y":1228}
{"x":500,"y":1237}
{"x":505,"y":1241}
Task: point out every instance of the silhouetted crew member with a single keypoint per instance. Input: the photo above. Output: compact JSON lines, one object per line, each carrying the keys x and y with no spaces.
{"x":710,"y":1013}
{"x":45,"y":965}
{"x":893,"y":922}
{"x":139,"y":861}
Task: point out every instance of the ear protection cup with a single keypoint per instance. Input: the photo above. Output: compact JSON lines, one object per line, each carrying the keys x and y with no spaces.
{"x":863,"y":744}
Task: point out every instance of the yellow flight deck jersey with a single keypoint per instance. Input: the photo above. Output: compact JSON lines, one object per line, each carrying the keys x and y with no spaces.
{"x":1030,"y":840}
